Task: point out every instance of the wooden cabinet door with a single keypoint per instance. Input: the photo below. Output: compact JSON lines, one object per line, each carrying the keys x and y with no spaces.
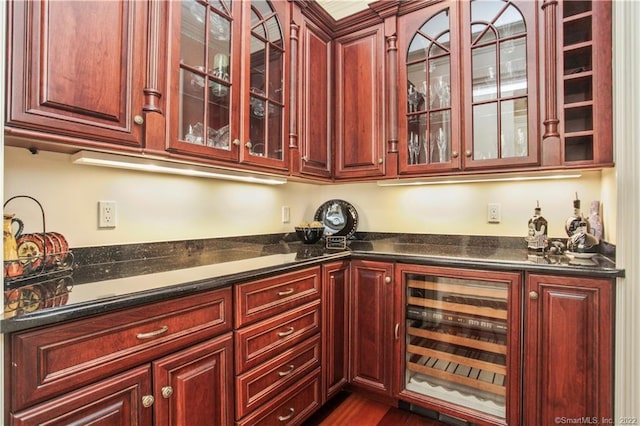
{"x":314,"y":76}
{"x":335,"y":327}
{"x":195,"y":386}
{"x":568,"y":363}
{"x":371,"y":325}
{"x":76,"y":71}
{"x":429,"y":125}
{"x":114,"y":401}
{"x":359,"y":112}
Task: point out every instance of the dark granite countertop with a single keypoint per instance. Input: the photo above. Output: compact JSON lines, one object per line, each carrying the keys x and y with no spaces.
{"x":111,"y":278}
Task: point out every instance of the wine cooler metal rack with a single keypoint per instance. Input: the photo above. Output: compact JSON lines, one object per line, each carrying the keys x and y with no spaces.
{"x":459,"y":338}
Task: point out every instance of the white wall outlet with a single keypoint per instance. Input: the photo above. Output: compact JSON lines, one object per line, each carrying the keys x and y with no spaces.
{"x":286,"y":214}
{"x":493,"y":213}
{"x":106,"y":214}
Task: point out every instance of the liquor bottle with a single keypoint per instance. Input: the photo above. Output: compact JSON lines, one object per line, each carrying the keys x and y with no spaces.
{"x":537,"y":235}
{"x":573,"y":222}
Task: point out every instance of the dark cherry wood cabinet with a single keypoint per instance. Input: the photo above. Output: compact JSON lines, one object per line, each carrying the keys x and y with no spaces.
{"x":195,"y":386}
{"x":104,"y":366}
{"x":335,"y":327}
{"x":278,"y":348}
{"x":76,"y":72}
{"x":371,"y":326}
{"x":578,"y":83}
{"x":227,"y":78}
{"x":468,"y":86}
{"x":568,"y":350}
{"x":310,"y":136}
{"x":114,"y":401}
{"x":359,"y":104}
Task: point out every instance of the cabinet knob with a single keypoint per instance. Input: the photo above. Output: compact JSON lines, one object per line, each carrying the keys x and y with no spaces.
{"x":387,"y":280}
{"x":147,"y":401}
{"x":468,"y":153}
{"x":248,"y":144}
{"x":167,"y":391}
{"x":380,"y":160}
{"x":305,"y":158}
{"x":138,"y":119}
{"x":533,"y":295}
{"x":454,"y":154}
{"x":236,"y":142}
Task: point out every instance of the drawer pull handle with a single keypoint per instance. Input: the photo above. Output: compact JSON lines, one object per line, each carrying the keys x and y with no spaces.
{"x":167,"y":391}
{"x":286,"y":333}
{"x":147,"y":401}
{"x":151,"y":334}
{"x":287,"y":417}
{"x":286,"y":292}
{"x":286,"y":373}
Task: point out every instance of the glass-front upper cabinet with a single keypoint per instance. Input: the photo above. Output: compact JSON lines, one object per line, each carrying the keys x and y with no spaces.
{"x":205,"y":81}
{"x":264,"y":138}
{"x":499,"y":43}
{"x":469,"y":75}
{"x":430,"y":99}
{"x":227,"y":69}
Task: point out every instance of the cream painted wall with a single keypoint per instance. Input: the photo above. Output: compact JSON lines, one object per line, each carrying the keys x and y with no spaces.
{"x":156,"y":207}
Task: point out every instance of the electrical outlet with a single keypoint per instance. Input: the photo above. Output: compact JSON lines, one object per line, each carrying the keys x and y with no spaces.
{"x":286,"y":214}
{"x":493,"y":213}
{"x":106,"y":214}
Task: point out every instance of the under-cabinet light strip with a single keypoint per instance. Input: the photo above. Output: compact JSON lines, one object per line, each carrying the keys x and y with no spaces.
{"x":477,"y":179}
{"x":170,"y":167}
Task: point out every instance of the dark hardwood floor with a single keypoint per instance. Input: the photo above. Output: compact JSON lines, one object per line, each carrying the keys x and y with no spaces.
{"x":352,"y":409}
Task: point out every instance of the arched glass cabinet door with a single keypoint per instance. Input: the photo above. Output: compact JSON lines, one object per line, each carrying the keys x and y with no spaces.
{"x":207,"y":78}
{"x":266,"y":96}
{"x":431,"y":95}
{"x":500,"y":93}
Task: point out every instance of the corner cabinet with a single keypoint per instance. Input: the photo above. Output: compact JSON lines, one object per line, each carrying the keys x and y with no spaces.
{"x":227,"y":81}
{"x":359,"y":104}
{"x":468,"y":86}
{"x":75,"y":72}
{"x":568,"y":349}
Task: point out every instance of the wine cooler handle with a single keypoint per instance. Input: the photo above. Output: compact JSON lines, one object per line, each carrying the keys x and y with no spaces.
{"x":395,"y":333}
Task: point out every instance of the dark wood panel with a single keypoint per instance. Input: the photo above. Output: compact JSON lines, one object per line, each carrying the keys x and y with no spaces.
{"x":77,"y":69}
{"x":201,"y":382}
{"x":115,"y":401}
{"x":569,"y":348}
{"x":359,"y":104}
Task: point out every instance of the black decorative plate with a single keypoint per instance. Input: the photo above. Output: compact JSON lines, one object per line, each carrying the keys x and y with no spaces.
{"x":338,"y":217}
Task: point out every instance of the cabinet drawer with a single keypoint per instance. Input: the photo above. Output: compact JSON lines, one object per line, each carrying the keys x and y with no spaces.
{"x":263,"y":383}
{"x":262,"y":341}
{"x":56,"y":359}
{"x":263,"y":299}
{"x":291,"y":407}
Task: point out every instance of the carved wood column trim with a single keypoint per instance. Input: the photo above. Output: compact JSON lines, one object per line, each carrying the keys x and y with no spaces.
{"x":551,"y":120}
{"x":392,"y":84}
{"x":293,"y":87}
{"x":152,"y":93}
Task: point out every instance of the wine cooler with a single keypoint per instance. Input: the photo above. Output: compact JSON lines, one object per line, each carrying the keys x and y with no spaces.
{"x":459,"y":334}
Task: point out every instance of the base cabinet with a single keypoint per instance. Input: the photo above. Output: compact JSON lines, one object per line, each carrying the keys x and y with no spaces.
{"x":195,"y":386}
{"x":335,"y":331}
{"x":115,"y":401}
{"x":371,"y":326}
{"x":568,"y":349}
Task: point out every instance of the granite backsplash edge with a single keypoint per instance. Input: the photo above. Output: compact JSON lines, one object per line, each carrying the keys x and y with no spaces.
{"x":118,"y":261}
